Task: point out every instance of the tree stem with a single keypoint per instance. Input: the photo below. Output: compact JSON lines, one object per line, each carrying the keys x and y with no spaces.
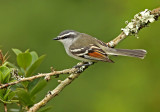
{"x":5,"y":107}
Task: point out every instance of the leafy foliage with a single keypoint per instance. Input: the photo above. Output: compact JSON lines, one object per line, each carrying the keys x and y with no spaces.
{"x":6,"y":94}
{"x":24,"y":93}
{"x":24,"y":97}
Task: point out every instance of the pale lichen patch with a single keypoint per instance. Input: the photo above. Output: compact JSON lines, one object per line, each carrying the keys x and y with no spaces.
{"x":140,"y":20}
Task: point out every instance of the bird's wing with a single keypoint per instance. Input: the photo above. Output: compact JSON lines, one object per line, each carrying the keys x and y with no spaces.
{"x":91,"y":52}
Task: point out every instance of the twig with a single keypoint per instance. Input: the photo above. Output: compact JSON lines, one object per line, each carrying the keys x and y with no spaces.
{"x":67,"y":81}
{"x":5,"y":107}
{"x":58,"y":89}
{"x":140,"y":21}
{"x":66,"y":71}
{"x":53,"y":93}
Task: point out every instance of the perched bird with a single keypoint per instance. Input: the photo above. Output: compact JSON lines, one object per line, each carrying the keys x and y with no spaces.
{"x":86,"y":48}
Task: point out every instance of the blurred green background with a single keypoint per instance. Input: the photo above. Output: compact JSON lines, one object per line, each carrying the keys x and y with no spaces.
{"x":128,"y":85}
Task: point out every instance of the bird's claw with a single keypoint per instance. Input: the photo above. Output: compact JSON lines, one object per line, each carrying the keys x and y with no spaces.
{"x":83,"y":66}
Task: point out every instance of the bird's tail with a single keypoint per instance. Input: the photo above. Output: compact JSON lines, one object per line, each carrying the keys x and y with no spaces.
{"x":139,"y":53}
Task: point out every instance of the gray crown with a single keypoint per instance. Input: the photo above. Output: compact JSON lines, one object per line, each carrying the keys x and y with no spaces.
{"x":67,"y":32}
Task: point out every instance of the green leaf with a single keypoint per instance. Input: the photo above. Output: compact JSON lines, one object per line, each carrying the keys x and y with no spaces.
{"x":5,"y":101}
{"x":16,"y":51}
{"x":34,"y":56}
{"x":24,"y":60}
{"x":34,"y":66}
{"x":27,"y":51}
{"x":14,"y":101}
{"x":1,"y":78}
{"x":4,"y":70}
{"x":41,"y":84}
{"x":32,"y":84}
{"x":11,"y":65}
{"x":7,"y":78}
{"x":5,"y":74}
{"x":5,"y":63}
{"x":25,"y":84}
{"x":6,"y":94}
{"x":2,"y":94}
{"x":24,"y":97}
{"x":11,"y":95}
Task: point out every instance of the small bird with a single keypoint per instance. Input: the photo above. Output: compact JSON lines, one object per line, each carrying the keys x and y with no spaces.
{"x":86,"y":48}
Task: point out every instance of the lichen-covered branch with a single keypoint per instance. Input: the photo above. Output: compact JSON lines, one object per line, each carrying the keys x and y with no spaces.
{"x":141,"y":20}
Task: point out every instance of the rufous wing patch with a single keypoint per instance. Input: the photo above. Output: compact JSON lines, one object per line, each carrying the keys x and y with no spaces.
{"x":100,"y":56}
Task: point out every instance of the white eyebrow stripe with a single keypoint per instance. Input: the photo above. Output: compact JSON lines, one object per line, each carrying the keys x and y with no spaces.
{"x":67,"y":34}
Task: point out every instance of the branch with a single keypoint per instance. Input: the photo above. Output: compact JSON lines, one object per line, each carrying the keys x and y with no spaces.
{"x":57,"y":90}
{"x":5,"y":107}
{"x":54,"y":92}
{"x":139,"y":23}
{"x":54,"y":73}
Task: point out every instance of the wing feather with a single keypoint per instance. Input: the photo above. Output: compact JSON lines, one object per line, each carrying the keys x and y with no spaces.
{"x":91,"y":52}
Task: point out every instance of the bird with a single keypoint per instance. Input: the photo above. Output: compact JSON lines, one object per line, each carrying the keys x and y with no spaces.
{"x":86,"y":48}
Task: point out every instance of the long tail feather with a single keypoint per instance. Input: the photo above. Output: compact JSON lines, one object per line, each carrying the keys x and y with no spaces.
{"x":139,"y":53}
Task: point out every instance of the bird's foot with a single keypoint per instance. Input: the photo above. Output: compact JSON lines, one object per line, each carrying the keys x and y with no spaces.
{"x":82,"y":66}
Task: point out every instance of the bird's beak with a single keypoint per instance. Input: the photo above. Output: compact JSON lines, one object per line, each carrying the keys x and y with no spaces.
{"x":57,"y":38}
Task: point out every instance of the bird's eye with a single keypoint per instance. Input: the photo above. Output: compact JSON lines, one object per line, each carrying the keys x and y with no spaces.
{"x":64,"y":37}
